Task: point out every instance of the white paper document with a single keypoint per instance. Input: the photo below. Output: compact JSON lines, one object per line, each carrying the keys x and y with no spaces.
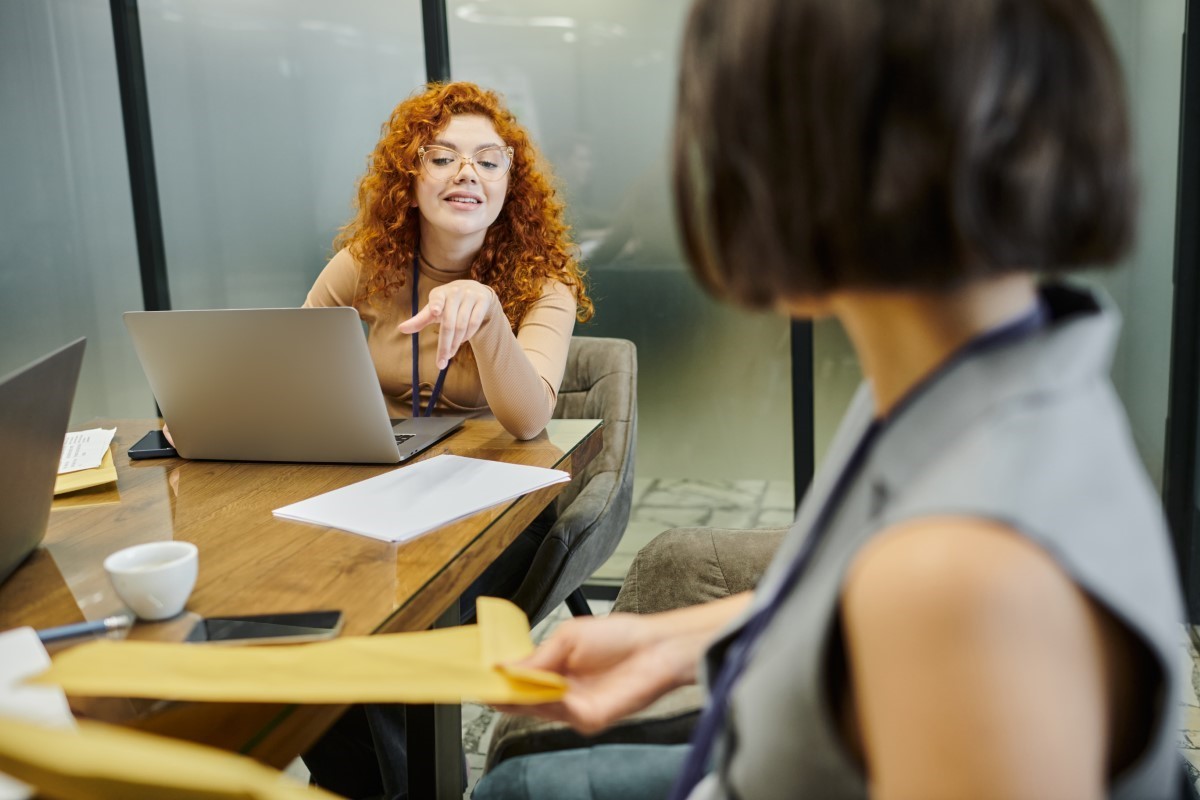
{"x":85,"y":449}
{"x":22,"y":656}
{"x":406,"y":502}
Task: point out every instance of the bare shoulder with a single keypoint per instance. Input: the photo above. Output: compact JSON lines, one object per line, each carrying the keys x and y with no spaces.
{"x":969,"y":645}
{"x":971,"y":563}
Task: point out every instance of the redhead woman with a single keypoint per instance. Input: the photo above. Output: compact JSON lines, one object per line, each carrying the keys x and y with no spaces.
{"x":457,"y":218}
{"x":459,"y":263}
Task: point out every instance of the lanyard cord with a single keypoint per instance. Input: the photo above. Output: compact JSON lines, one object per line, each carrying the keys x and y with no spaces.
{"x":416,"y":357}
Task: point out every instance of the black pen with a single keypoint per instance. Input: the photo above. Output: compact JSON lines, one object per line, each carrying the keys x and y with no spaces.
{"x":114,"y":623}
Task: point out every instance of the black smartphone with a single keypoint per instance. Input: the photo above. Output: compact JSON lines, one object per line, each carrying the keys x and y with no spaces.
{"x":152,"y":445}
{"x":307,"y":626}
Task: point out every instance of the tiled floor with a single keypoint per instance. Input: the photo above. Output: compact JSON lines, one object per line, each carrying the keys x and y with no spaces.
{"x":1190,"y":723}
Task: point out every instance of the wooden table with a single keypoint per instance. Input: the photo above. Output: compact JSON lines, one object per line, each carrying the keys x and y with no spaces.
{"x":251,"y":562}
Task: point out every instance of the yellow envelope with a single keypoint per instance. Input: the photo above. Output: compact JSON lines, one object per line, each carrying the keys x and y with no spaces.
{"x":440,"y":666}
{"x":101,"y":762}
{"x":87,"y":478}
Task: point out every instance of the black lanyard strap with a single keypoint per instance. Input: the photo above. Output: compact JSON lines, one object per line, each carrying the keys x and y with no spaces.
{"x":416,"y":356}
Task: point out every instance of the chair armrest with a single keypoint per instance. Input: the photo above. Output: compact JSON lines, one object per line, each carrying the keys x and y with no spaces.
{"x":688,"y":566}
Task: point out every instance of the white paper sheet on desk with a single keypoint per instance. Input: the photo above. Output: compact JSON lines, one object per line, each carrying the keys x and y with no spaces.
{"x":84,"y":449}
{"x":406,"y":502}
{"x":23,"y":656}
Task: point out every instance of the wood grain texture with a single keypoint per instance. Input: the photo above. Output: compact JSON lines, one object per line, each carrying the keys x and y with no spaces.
{"x":252,"y":563}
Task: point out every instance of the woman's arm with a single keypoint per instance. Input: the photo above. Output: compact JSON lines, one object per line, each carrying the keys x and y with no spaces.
{"x":978,"y":667}
{"x":521,"y":373}
{"x":619,"y":664}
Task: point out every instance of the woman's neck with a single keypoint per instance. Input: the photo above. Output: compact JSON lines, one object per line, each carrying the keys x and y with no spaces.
{"x":901,"y":337}
{"x":447,"y":253}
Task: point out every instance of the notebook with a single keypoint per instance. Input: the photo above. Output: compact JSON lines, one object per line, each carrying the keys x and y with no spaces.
{"x":35,"y":407}
{"x":273,"y":384}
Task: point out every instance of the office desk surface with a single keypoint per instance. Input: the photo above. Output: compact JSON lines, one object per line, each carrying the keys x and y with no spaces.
{"x":252,"y":562}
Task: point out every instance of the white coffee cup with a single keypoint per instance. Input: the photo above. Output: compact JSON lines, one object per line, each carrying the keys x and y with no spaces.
{"x":154,"y":579}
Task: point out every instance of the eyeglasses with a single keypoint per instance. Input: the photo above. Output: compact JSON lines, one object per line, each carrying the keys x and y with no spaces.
{"x":444,"y":163}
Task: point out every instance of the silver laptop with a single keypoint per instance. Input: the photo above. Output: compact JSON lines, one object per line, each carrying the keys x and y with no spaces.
{"x":273,"y":384}
{"x":35,"y":407}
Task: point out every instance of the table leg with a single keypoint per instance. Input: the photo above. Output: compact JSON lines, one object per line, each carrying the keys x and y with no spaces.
{"x":435,"y":751}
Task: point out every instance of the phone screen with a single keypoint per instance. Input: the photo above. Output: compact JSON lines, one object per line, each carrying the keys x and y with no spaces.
{"x":265,"y":628}
{"x":153,"y":445}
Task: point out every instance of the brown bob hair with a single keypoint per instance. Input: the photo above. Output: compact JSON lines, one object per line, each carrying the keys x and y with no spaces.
{"x":526,"y":245}
{"x":897,"y":144}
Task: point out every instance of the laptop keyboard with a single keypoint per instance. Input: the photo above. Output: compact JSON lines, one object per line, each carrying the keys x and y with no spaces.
{"x":401,"y":438}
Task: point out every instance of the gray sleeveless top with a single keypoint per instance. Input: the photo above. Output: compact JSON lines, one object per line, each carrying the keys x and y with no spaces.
{"x":1029,"y":433}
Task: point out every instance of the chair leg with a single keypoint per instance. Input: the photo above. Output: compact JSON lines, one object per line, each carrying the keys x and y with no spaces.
{"x":578,"y":604}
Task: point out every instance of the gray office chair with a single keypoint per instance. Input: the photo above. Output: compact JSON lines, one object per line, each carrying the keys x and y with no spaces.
{"x":600,"y":382}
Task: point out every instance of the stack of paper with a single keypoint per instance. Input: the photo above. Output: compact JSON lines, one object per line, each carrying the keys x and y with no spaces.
{"x":23,"y":656}
{"x":406,"y":502}
{"x":86,"y":460}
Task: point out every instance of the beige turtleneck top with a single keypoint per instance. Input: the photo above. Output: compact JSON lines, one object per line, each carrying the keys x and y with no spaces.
{"x":516,"y":376}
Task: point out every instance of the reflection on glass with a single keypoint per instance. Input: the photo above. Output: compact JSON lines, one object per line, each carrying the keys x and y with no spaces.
{"x":68,"y":259}
{"x":595,"y":85}
{"x":263,"y":115}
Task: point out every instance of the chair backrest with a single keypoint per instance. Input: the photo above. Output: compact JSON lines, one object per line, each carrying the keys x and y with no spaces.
{"x":600,"y":382}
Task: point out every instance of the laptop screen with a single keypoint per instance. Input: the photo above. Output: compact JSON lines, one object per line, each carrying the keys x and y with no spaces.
{"x":35,"y":408}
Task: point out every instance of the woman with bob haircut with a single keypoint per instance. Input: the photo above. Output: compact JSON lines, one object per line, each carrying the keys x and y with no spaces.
{"x":458,"y":252}
{"x":978,"y":598}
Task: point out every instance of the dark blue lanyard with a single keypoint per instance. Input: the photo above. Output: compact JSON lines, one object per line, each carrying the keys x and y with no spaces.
{"x":416,"y":357}
{"x":712,"y":719}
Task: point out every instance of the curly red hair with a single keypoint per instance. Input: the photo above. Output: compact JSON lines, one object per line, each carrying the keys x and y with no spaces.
{"x":526,"y":245}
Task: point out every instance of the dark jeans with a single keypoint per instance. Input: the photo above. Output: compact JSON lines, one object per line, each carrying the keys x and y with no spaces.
{"x":364,"y":755}
{"x":603,"y":772}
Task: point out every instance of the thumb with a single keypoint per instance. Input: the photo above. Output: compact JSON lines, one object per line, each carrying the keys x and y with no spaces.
{"x":551,"y":656}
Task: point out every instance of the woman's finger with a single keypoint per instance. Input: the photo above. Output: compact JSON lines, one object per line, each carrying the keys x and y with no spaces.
{"x":421,"y":320}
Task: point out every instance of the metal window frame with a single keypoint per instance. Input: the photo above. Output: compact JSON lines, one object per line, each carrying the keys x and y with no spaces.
{"x":139,"y":149}
{"x":1183,"y":403}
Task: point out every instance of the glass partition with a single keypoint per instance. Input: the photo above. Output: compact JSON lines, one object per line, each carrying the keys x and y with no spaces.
{"x":263,"y":114}
{"x":1149,"y":37}
{"x":595,"y":84}
{"x":68,"y":258}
